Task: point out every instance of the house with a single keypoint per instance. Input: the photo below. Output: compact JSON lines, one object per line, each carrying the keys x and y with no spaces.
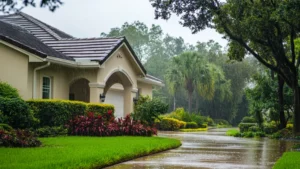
{"x":43,"y":62}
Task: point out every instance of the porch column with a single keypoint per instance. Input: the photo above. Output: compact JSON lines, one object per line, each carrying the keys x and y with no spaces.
{"x":128,"y":100}
{"x":95,"y":90}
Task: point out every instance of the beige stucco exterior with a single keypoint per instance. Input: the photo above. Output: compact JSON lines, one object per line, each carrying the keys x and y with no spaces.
{"x":121,"y":67}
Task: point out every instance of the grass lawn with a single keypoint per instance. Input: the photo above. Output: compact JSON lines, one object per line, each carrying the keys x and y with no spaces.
{"x":289,"y":160}
{"x":232,"y":132}
{"x":193,"y":130}
{"x":83,"y":152}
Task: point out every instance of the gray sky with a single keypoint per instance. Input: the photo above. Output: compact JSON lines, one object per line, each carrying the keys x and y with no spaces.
{"x":92,"y":17}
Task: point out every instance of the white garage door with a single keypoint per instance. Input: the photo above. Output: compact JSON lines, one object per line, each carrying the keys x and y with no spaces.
{"x":116,"y":98}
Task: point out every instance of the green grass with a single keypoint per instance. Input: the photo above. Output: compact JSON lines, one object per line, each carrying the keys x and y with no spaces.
{"x":289,"y":160}
{"x":194,"y":130}
{"x":233,"y":132}
{"x":83,"y":152}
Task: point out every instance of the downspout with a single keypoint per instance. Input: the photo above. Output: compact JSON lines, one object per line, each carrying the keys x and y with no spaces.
{"x":34,"y":78}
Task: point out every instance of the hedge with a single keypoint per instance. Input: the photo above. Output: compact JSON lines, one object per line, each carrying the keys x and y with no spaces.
{"x":58,"y":112}
{"x":171,"y":124}
{"x":191,"y":125}
{"x":99,"y":109}
{"x":16,"y":113}
{"x":8,"y":91}
{"x":245,"y":126}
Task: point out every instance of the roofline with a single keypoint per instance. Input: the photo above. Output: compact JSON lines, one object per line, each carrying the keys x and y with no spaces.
{"x":151,"y":81}
{"x":23,"y":46}
{"x":122,"y":41}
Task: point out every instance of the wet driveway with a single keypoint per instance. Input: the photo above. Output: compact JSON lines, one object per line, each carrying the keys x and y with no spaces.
{"x":212,"y":149}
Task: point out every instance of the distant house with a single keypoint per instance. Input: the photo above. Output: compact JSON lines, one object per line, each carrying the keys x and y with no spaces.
{"x":43,"y":62}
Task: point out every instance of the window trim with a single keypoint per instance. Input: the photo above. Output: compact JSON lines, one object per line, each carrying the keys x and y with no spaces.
{"x":50,"y":87}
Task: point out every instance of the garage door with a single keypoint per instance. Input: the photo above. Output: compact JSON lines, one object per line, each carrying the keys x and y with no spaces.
{"x":116,"y":98}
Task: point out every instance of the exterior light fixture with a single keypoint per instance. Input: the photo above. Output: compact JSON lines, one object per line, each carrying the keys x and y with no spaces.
{"x":102,"y":97}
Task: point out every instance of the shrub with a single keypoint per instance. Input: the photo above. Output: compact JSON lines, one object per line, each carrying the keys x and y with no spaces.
{"x":244,"y":127}
{"x":247,"y":119}
{"x":202,"y":126}
{"x":270,"y":128}
{"x":8,"y":91}
{"x":149,"y":110}
{"x":99,"y":109}
{"x":106,"y":125}
{"x":289,"y":126}
{"x":248,"y":134}
{"x":233,"y":132}
{"x":51,"y":131}
{"x":254,"y":128}
{"x":259,"y":134}
{"x":284,"y":133}
{"x":17,"y":113}
{"x":18,"y":138}
{"x":171,"y":124}
{"x":59,"y":112}
{"x":191,"y":125}
{"x":221,"y":122}
{"x":5,"y":127}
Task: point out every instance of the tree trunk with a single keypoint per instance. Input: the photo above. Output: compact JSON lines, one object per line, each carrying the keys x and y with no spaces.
{"x":190,"y":101}
{"x":174,"y":103}
{"x":296,"y":126}
{"x":197,"y":105}
{"x":281,"y":103}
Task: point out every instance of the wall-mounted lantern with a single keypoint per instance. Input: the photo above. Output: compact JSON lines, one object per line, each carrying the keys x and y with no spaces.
{"x":102,"y":97}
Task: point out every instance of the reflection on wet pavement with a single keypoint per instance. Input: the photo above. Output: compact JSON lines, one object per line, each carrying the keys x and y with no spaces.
{"x":212,"y":149}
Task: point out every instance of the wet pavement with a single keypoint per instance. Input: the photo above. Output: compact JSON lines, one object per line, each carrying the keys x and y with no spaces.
{"x":212,"y":149}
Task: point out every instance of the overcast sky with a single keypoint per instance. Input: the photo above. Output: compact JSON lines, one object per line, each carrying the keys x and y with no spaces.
{"x":89,"y":18}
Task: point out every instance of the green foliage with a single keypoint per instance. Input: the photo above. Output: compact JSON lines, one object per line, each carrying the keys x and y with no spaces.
{"x":284,"y":133}
{"x":51,"y":131}
{"x":270,"y":128}
{"x":191,"y":125}
{"x":7,"y":91}
{"x":147,"y":110}
{"x":5,"y":127}
{"x":233,"y":132}
{"x":248,"y":120}
{"x":221,"y":122}
{"x":58,"y":112}
{"x":193,"y":130}
{"x":16,"y":6}
{"x":171,"y":124}
{"x":244,"y":127}
{"x":99,"y":109}
{"x":84,"y":152}
{"x":254,"y":129}
{"x":17,"y":113}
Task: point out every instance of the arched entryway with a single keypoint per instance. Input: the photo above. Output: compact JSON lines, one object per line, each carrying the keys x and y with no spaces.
{"x":118,"y":91}
{"x":80,"y":90}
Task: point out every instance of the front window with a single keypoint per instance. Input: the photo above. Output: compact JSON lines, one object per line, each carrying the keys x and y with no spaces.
{"x":46,"y":87}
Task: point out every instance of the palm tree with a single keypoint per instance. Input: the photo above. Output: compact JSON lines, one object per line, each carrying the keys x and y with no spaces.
{"x":174,"y":82}
{"x":191,"y":71}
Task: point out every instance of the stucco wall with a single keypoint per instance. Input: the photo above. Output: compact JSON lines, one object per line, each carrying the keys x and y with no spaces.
{"x":14,"y":69}
{"x":62,"y":77}
{"x":145,"y":89}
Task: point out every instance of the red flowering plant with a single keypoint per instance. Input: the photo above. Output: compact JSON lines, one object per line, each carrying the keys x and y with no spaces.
{"x":18,"y":138}
{"x":107,"y":125}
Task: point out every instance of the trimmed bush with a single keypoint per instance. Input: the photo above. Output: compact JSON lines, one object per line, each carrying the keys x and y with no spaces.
{"x":99,"y":109}
{"x":191,"y":125}
{"x":270,"y":128}
{"x":171,"y":124}
{"x":202,"y":126}
{"x":245,"y":126}
{"x":8,"y":91}
{"x":51,"y":131}
{"x":221,"y":122}
{"x":18,"y":138}
{"x":17,"y":113}
{"x":289,"y":126}
{"x":254,"y":129}
{"x":247,"y":119}
{"x":56,"y":112}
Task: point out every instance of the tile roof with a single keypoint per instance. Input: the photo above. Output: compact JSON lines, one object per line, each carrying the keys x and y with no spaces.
{"x":22,"y":38}
{"x":53,"y":42}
